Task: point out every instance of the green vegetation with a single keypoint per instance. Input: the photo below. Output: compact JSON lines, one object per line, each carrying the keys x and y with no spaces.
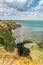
{"x":6,"y":38}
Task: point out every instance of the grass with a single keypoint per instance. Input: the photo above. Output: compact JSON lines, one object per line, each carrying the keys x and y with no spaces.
{"x":8,"y":58}
{"x":36,"y":53}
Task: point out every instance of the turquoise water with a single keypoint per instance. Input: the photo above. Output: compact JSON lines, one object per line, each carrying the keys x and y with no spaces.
{"x":32,"y":25}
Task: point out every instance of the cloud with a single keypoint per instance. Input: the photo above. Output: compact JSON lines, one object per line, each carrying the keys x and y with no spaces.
{"x":30,"y":16}
{"x":29,"y":3}
{"x":11,"y":1}
{"x":40,"y":5}
{"x":13,"y":7}
{"x":19,"y":9}
{"x":21,"y":1}
{"x":20,"y":5}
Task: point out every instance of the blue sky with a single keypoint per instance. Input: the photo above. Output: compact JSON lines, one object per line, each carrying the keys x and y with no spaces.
{"x":21,"y":9}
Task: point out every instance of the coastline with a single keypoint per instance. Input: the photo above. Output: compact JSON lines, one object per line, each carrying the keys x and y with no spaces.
{"x":37,"y":44}
{"x":36,"y":50}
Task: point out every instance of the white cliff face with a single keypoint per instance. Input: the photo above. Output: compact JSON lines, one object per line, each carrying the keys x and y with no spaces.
{"x":17,"y":33}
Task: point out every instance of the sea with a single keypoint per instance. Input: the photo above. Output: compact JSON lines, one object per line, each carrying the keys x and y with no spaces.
{"x":32,"y":27}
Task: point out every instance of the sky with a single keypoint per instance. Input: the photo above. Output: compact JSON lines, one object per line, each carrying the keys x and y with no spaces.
{"x":21,"y":9}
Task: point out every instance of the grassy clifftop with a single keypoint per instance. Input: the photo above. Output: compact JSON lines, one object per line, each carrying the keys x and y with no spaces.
{"x":6,"y":38}
{"x":8,"y":58}
{"x":7,"y":42}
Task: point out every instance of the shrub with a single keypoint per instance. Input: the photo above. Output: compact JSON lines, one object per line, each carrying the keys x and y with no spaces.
{"x":6,"y":39}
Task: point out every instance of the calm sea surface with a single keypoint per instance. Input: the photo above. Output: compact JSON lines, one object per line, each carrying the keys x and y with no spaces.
{"x":35,"y":27}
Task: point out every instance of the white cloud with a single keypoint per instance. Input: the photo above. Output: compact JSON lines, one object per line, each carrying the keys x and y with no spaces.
{"x":40,"y":5}
{"x":21,"y":1}
{"x":30,"y":3}
{"x":11,"y":1}
{"x":24,"y":17}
